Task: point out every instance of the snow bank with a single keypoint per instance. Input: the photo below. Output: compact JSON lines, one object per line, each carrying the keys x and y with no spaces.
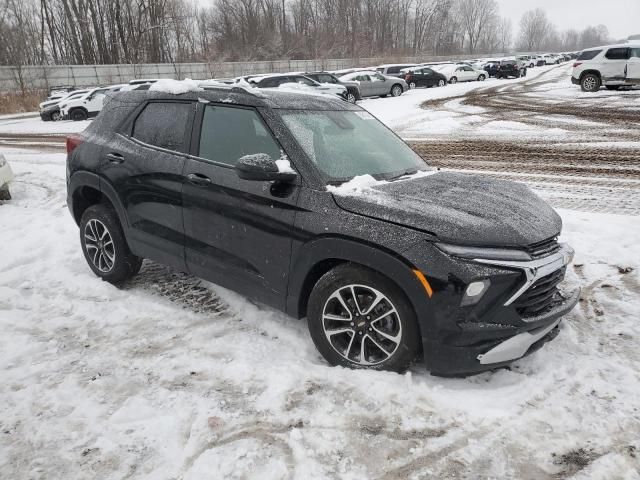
{"x":175,"y":87}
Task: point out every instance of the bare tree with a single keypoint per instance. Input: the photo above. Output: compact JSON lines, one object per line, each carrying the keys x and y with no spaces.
{"x":534,"y":29}
{"x":476,"y":16}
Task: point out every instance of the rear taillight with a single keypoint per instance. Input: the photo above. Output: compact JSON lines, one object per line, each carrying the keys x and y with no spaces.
{"x":72,"y":142}
{"x":577,"y":64}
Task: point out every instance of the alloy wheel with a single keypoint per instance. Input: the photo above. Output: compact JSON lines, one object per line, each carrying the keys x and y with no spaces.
{"x":55,"y":116}
{"x":361,"y":324}
{"x":441,"y":83}
{"x":351,"y":98}
{"x":99,"y":245}
{"x":396,"y":91}
{"x":589,"y":83}
{"x":412,"y":85}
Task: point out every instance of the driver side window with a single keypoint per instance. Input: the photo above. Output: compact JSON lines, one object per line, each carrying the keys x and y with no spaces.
{"x":229,"y":133}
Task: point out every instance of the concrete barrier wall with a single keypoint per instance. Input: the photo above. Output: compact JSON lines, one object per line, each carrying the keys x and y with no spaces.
{"x":44,"y":77}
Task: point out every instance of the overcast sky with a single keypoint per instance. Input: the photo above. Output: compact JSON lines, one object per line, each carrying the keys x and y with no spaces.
{"x":622,"y":17}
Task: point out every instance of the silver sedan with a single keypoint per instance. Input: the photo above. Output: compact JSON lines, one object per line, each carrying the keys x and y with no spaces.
{"x":374,"y":84}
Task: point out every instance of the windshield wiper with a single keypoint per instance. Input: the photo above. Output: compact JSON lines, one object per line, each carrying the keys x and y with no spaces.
{"x":409,"y":171}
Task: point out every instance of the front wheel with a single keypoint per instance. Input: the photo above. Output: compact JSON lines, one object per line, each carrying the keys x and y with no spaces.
{"x":360,"y":319}
{"x":453,"y":80}
{"x":55,"y":116}
{"x":481,"y":78}
{"x":590,"y":83}
{"x":412,"y":85}
{"x":105,"y":247}
{"x":78,"y":115}
{"x":351,"y":98}
{"x":396,"y":91}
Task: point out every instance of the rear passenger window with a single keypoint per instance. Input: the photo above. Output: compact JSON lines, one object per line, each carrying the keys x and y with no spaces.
{"x":229,"y":133}
{"x":617,"y":54}
{"x":589,"y":55}
{"x":635,"y":53}
{"x":163,"y":125}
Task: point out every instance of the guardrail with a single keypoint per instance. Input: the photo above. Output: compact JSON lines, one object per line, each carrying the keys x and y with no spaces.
{"x":16,"y":78}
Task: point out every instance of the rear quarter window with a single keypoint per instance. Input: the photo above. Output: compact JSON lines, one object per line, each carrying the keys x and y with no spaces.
{"x":617,"y":54}
{"x":589,"y":54}
{"x":164,"y":124}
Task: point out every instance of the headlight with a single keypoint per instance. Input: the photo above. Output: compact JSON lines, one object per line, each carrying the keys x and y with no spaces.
{"x":483,"y":253}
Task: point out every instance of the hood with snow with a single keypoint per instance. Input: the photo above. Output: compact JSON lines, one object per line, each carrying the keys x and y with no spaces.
{"x":458,"y":208}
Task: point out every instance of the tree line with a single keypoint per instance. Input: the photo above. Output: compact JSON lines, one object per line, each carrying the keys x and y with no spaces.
{"x":37,"y":32}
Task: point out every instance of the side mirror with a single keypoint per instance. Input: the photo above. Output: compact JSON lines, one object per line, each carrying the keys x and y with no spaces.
{"x":261,"y":167}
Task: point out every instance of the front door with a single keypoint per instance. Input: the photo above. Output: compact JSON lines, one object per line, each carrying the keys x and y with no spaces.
{"x":144,"y":167}
{"x":366,"y":89}
{"x":633,"y":66}
{"x":380,"y":85}
{"x":238,"y":233}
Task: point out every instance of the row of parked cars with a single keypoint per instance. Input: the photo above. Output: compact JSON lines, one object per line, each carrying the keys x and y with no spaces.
{"x":351,"y":85}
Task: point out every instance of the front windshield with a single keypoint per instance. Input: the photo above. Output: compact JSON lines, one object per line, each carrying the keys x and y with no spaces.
{"x":345,"y":144}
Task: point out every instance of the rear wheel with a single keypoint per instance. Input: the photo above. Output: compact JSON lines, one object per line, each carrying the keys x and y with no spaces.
{"x":396,"y":90}
{"x":4,"y":193}
{"x":412,"y":85}
{"x":590,"y":83}
{"x":105,"y":247}
{"x":55,"y":116}
{"x":360,"y":319}
{"x":441,"y":83}
{"x":78,"y":114}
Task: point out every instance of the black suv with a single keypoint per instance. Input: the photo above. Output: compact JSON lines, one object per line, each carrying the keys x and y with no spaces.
{"x":511,"y":68}
{"x":309,"y":204}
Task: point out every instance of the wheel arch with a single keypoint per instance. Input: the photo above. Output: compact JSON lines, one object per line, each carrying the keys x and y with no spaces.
{"x":319,"y":256}
{"x":86,"y":189}
{"x":592,"y":71}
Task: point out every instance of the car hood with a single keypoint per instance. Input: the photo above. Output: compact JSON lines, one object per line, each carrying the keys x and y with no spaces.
{"x":459,"y":208}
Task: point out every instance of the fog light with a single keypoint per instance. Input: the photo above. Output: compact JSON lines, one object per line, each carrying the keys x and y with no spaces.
{"x":474,"y":292}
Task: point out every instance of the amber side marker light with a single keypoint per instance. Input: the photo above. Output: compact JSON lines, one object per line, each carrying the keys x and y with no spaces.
{"x":424,"y":282}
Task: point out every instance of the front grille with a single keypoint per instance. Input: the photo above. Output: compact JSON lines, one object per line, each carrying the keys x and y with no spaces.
{"x":543,"y":248}
{"x":540,"y":296}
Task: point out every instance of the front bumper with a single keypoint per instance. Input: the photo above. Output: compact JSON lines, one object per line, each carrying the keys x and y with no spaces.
{"x":460,"y":339}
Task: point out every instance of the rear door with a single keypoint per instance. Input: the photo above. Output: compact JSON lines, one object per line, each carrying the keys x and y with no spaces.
{"x":238,"y":233}
{"x":614,"y":64}
{"x":633,"y":65}
{"x":144,"y":166}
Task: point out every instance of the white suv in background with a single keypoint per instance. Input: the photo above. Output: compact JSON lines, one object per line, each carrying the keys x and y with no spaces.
{"x":88,"y":105}
{"x":613,"y":66}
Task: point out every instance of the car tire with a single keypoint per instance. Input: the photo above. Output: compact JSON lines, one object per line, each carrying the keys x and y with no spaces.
{"x":441,"y":83}
{"x":105,"y":247}
{"x":55,"y":116}
{"x":482,"y":78}
{"x":412,"y":85}
{"x":453,"y":80}
{"x":391,"y":341}
{"x":396,"y":90}
{"x":351,"y":98}
{"x":78,"y":115}
{"x":591,"y":82}
{"x":5,"y":195}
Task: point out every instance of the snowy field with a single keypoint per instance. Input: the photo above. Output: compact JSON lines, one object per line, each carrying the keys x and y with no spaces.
{"x":173,"y":378}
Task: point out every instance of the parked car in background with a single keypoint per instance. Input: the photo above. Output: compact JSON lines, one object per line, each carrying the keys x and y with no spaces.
{"x":461,"y":73}
{"x":258,"y":195}
{"x":394,"y":70}
{"x":527,"y":60}
{"x":353,"y":90}
{"x":374,"y":84}
{"x":613,"y":66}
{"x":551,"y":59}
{"x":491,"y":67}
{"x":50,"y":110}
{"x":6,"y":175}
{"x":280,"y":79}
{"x":510,"y":67}
{"x":423,"y":77}
{"x":87,"y":105}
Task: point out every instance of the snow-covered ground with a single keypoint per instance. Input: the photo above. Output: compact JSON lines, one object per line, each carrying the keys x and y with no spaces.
{"x":173,"y":378}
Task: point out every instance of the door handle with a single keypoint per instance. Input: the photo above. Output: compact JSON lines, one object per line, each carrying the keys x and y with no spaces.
{"x":199,"y":179}
{"x":115,"y":157}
